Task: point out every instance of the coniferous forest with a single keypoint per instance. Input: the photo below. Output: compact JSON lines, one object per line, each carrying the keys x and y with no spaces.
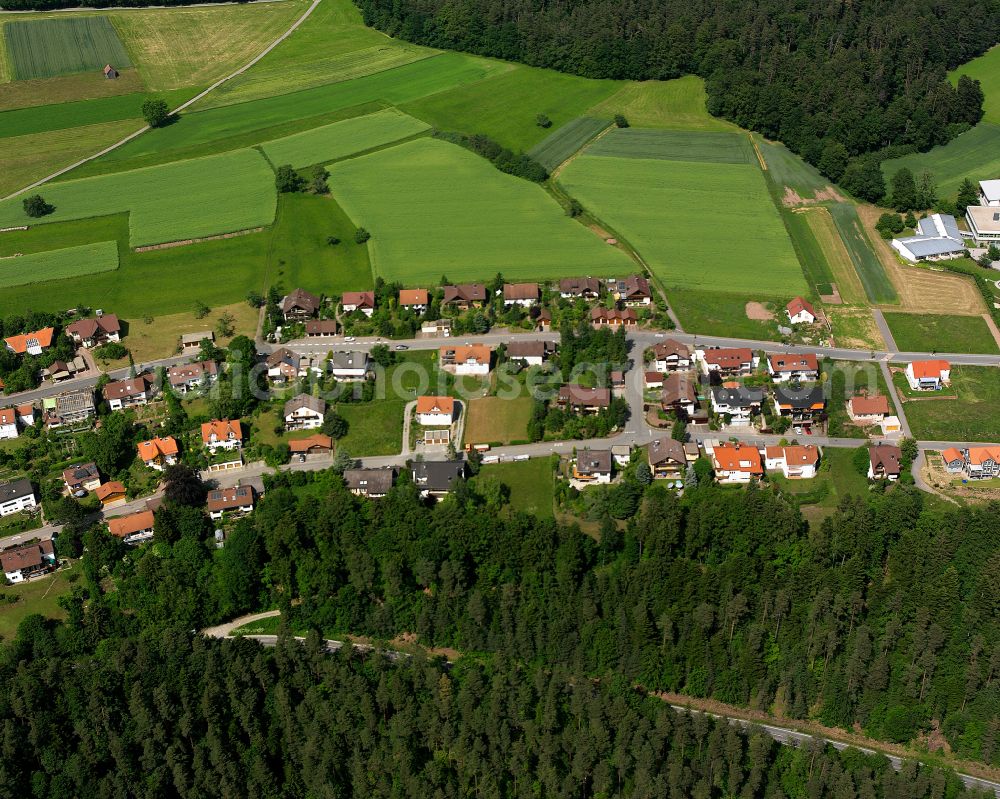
{"x":837,"y":82}
{"x":885,"y":616}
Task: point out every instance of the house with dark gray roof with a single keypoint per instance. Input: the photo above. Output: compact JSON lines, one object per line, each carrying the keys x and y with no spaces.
{"x":437,"y":478}
{"x":371,"y":483}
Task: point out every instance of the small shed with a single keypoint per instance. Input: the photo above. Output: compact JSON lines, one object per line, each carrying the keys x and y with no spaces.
{"x":110,"y":72}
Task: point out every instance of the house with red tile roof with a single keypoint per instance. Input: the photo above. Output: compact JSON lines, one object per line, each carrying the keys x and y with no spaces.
{"x":222,"y":434}
{"x":133,"y":528}
{"x":34,"y":343}
{"x":434,"y":410}
{"x":928,"y":375}
{"x":94,"y":332}
{"x":788,"y":367}
{"x":736,"y":463}
{"x":795,"y":462}
{"x":363,"y":301}
{"x":415,"y":300}
{"x":158,"y":453}
{"x":800,"y":312}
{"x":868,"y":409}
{"x":728,"y":360}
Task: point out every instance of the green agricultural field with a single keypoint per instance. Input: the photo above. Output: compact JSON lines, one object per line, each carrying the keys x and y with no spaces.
{"x":567,"y":140}
{"x":985,"y":69}
{"x":715,"y":147}
{"x":531,"y":484}
{"x":787,"y":169}
{"x":183,"y":200}
{"x":504,"y":106}
{"x":434,"y":208}
{"x":44,"y":48}
{"x":67,"y":89}
{"x":679,"y":228}
{"x":814,"y":262}
{"x":974,"y":155}
{"x":677,"y":104}
{"x":974,"y":416}
{"x":873,"y":276}
{"x":722,"y":314}
{"x":57,"y":264}
{"x":341,"y":139}
{"x":937,"y":333}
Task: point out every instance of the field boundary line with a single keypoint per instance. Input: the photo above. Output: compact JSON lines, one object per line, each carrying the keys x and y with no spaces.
{"x":756,"y":149}
{"x":179,"y":109}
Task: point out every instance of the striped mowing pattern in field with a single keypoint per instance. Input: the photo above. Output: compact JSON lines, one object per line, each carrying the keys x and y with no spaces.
{"x":873,"y":276}
{"x":716,"y":147}
{"x":341,"y":139}
{"x":45,"y":47}
{"x":562,"y":143}
{"x":57,"y":264}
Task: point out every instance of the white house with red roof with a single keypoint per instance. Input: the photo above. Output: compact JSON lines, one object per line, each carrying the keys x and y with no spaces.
{"x":8,"y":423}
{"x":928,"y":375}
{"x":800,"y":312}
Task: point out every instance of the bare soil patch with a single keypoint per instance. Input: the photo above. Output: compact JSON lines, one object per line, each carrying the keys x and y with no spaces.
{"x":832,"y":299}
{"x":758,"y":312}
{"x":792,"y":198}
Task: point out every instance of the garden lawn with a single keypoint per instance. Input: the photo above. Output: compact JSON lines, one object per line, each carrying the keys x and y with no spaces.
{"x":717,"y":147}
{"x":870,"y":270}
{"x":566,"y":140}
{"x":374,"y":428}
{"x":498,"y":420}
{"x":504,"y":106}
{"x":186,"y":199}
{"x":44,"y":48}
{"x":678,"y":104}
{"x":435,"y":208}
{"x":697,"y":225}
{"x":35,"y":596}
{"x":846,"y":379}
{"x":939,"y":333}
{"x":974,"y":416}
{"x":340,"y":139}
{"x":57,"y":264}
{"x":531,"y":484}
{"x":719,"y":314}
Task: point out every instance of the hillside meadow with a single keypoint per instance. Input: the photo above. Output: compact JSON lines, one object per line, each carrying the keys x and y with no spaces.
{"x":57,"y":264}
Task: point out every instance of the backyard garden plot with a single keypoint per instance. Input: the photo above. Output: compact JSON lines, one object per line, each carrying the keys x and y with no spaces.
{"x":57,"y":264}
{"x":43,"y":48}
{"x":698,"y":225}
{"x":173,"y":202}
{"x":434,"y":208}
{"x":718,"y":147}
{"x":561,"y":144}
{"x":333,"y":142}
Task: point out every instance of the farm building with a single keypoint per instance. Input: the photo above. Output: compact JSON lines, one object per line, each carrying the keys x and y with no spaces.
{"x":937,"y":237}
{"x":110,"y":72}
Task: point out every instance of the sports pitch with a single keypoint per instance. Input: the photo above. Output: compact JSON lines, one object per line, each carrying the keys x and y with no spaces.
{"x":37,"y":267}
{"x":434,"y":208}
{"x":44,"y":48}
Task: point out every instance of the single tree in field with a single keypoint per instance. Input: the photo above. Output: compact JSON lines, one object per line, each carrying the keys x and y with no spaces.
{"x":333,"y":241}
{"x":543,"y":121}
{"x":224,"y":325}
{"x":575,"y":209}
{"x":35,"y":206}
{"x":620,"y":121}
{"x":361,"y":235}
{"x":286,"y":179}
{"x":155,"y":112}
{"x":319,"y":178}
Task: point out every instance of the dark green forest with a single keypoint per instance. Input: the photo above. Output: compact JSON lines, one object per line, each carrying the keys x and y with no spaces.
{"x":835,"y":81}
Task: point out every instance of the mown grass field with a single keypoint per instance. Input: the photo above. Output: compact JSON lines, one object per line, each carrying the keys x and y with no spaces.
{"x":679,"y":228}
{"x":186,"y":199}
{"x":833,"y":251}
{"x":940,"y":333}
{"x":811,"y":254}
{"x":974,"y":416}
{"x":566,"y":140}
{"x":505,"y":105}
{"x":985,"y":69}
{"x":85,"y":259}
{"x":434,"y":208}
{"x":722,"y":314}
{"x":498,"y":419}
{"x":785,"y":168}
{"x":715,"y":147}
{"x":340,"y":139}
{"x":678,"y":104}
{"x":854,"y":327}
{"x":67,"y":88}
{"x":869,"y":268}
{"x":531,"y":484}
{"x":45,"y":48}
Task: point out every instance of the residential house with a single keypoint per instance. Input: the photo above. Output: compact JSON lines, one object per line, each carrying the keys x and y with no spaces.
{"x":523,"y":294}
{"x":670,"y":356}
{"x":581,"y":399}
{"x":438,"y":411}
{"x":316,"y":445}
{"x":593,"y":465}
{"x":588,"y":288}
{"x":111,"y":494}
{"x":82,"y":477}
{"x":363,"y":301}
{"x":727,"y":361}
{"x":954,"y":460}
{"x":884,"y":462}
{"x":415,"y":300}
{"x":667,"y":459}
{"x":804,"y":406}
{"x":470,"y":359}
{"x":133,"y":528}
{"x":621,"y":454}
{"x":984,"y":222}
{"x":533,"y":353}
{"x":222,"y":434}
{"x":94,"y":332}
{"x":191,"y":342}
{"x":928,"y":375}
{"x":33,"y":343}
{"x":613,"y":318}
{"x":866,"y":409}
{"x":17,"y":495}
{"x":61,"y":371}
{"x":652,"y":380}
{"x":736,"y":463}
{"x":236,"y":500}
{"x":792,"y":368}
{"x":349,"y":366}
{"x":737,"y":402}
{"x":191,"y":376}
{"x":282,"y":366}
{"x":800,"y":312}
{"x":438,"y":327}
{"x":437,"y":478}
{"x":465,"y":296}
{"x":794,"y":462}
{"x":28,"y":561}
{"x":8,"y":423}
{"x":26,"y":414}
{"x":129,"y":393}
{"x":633,"y":291}
{"x":70,"y":409}
{"x":980,"y":463}
{"x":158,"y":453}
{"x":304,"y":412}
{"x":299,"y":305}
{"x":679,"y":395}
{"x":321,"y":327}
{"x":371,"y":483}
